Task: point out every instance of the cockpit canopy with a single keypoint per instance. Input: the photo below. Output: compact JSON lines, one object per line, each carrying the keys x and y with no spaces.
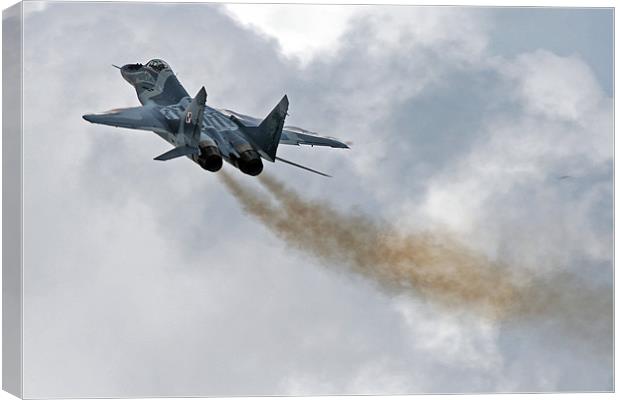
{"x":157,"y":65}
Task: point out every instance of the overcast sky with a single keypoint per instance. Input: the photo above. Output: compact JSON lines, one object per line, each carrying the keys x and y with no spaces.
{"x":145,"y":278}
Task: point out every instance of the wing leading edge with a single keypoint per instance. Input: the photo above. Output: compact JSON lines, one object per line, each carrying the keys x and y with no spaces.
{"x":142,"y":118}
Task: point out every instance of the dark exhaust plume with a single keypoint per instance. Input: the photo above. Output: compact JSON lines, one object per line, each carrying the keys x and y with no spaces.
{"x":431,"y":265}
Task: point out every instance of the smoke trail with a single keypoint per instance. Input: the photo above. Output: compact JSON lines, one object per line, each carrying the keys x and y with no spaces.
{"x":434,"y":266}
{"x":441,"y":270}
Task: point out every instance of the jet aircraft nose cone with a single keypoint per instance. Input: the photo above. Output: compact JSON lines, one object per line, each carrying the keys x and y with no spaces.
{"x":129,"y":72}
{"x":131,"y":67}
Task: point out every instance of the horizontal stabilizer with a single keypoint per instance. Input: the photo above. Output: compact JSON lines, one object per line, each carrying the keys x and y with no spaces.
{"x":178,"y":152}
{"x":302,"y":167}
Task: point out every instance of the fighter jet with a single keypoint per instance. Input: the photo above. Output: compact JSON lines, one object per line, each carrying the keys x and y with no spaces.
{"x":204,"y":134}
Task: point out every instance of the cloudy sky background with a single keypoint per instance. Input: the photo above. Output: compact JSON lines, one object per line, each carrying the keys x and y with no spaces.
{"x":147,"y":279}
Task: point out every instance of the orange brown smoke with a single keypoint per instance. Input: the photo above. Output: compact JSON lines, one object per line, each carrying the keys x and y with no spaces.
{"x":431,"y":265}
{"x":441,"y":270}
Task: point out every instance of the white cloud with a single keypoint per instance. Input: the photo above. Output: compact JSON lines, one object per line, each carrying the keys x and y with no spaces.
{"x":555,"y":87}
{"x":176,"y":283}
{"x":303,"y":31}
{"x":560,"y":125}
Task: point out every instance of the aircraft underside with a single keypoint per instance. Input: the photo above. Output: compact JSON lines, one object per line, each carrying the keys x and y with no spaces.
{"x":206,"y":135}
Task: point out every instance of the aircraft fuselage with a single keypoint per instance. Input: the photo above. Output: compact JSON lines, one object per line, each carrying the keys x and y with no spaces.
{"x":206,"y":135}
{"x":164,"y":93}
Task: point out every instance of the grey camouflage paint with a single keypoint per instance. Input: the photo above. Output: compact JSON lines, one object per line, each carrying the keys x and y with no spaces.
{"x":167,"y":109}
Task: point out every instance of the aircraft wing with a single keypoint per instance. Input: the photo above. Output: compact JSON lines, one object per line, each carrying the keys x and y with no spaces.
{"x":297,"y":136}
{"x":143,"y":118}
{"x":290,"y":134}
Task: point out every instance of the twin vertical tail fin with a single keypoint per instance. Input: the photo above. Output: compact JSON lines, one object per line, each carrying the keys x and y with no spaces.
{"x":266,"y":136}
